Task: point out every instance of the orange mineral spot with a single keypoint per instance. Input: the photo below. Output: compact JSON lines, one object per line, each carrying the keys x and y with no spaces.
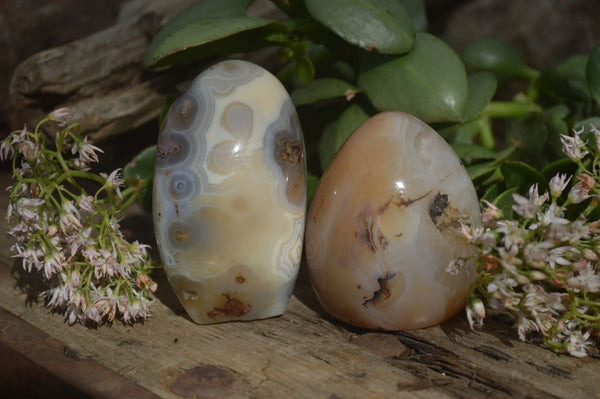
{"x":232,"y":307}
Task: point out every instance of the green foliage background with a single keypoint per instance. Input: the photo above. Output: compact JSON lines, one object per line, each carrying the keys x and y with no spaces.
{"x":346,"y":60}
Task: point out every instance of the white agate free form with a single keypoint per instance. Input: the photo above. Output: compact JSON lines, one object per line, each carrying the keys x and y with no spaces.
{"x":230,"y":194}
{"x":384,"y":224}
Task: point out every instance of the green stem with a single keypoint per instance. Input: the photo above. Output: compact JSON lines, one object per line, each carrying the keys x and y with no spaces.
{"x":511,"y":109}
{"x":133,"y":192}
{"x":486,"y":136}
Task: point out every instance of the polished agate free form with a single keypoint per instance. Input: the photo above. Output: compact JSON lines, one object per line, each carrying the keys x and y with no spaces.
{"x":385,"y":223}
{"x":230,"y":194}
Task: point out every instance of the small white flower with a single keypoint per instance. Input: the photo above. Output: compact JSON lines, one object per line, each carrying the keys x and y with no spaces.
{"x":79,"y":240}
{"x":53,"y":263}
{"x":6,"y":150}
{"x":113,"y":181}
{"x":61,"y":116}
{"x":573,"y":146}
{"x":513,"y":235}
{"x":86,"y":203}
{"x":87,"y":152}
{"x":527,"y":207}
{"x":525,"y":326}
{"x":92,"y":313}
{"x":455,"y":266}
{"x":536,"y":253}
{"x":558,"y":184}
{"x":551,"y":216}
{"x":28,"y":208}
{"x":471,"y":233}
{"x":490,"y":214}
{"x":588,"y":279}
{"x":69,"y":221}
{"x":555,"y":256}
{"x":578,"y":343}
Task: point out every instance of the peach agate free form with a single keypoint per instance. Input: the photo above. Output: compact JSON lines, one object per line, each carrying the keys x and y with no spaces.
{"x":385,"y":223}
{"x":230,"y":194}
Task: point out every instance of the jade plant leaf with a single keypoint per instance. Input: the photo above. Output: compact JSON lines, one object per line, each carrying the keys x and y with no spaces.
{"x":481,"y":88}
{"x":323,"y":89}
{"x":470,"y":152}
{"x":416,"y":10}
{"x":573,"y":71}
{"x":141,"y":167}
{"x":587,"y":123}
{"x":204,"y":10}
{"x":505,"y":201}
{"x":522,"y":176}
{"x":481,"y":170}
{"x":380,"y":25}
{"x":430,"y":82}
{"x":208,"y":37}
{"x":498,"y":57}
{"x":592,"y":73}
{"x":563,"y":165}
{"x":338,"y":131}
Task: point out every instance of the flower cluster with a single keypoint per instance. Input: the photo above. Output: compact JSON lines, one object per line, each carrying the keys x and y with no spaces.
{"x":543,"y":265}
{"x":72,"y":238}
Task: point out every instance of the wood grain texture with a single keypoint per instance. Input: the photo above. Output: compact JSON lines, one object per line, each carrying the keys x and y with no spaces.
{"x":100,"y":76}
{"x":302,"y":354}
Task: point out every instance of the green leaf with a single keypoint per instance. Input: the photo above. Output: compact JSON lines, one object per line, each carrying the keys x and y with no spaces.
{"x":555,"y":119}
{"x":208,"y":37}
{"x":567,"y":81}
{"x":470,"y":152}
{"x":305,"y":68}
{"x":529,"y":136}
{"x":204,"y":10}
{"x":312,"y":183}
{"x":592,"y":73}
{"x":481,"y":88}
{"x":481,"y":170}
{"x":338,"y":131}
{"x":587,"y":123}
{"x":430,"y":82}
{"x":490,"y":193}
{"x":380,"y":25}
{"x":207,"y":9}
{"x":416,"y":10}
{"x":323,"y":89}
{"x":521,"y":176}
{"x":141,"y":167}
{"x":573,"y":71}
{"x":564,"y":165}
{"x":498,"y":57}
{"x":465,"y":132}
{"x":505,"y":201}
{"x":446,"y":130}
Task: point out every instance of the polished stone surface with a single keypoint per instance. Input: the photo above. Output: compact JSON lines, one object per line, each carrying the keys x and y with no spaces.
{"x":385,"y":223}
{"x":230,"y":194}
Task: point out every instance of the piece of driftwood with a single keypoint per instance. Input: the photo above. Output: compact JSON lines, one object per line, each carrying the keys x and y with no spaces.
{"x":100,"y":77}
{"x":302,"y":354}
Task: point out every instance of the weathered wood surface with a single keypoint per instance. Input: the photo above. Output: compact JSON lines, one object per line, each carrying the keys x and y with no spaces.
{"x":302,"y":354}
{"x":100,"y":77}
